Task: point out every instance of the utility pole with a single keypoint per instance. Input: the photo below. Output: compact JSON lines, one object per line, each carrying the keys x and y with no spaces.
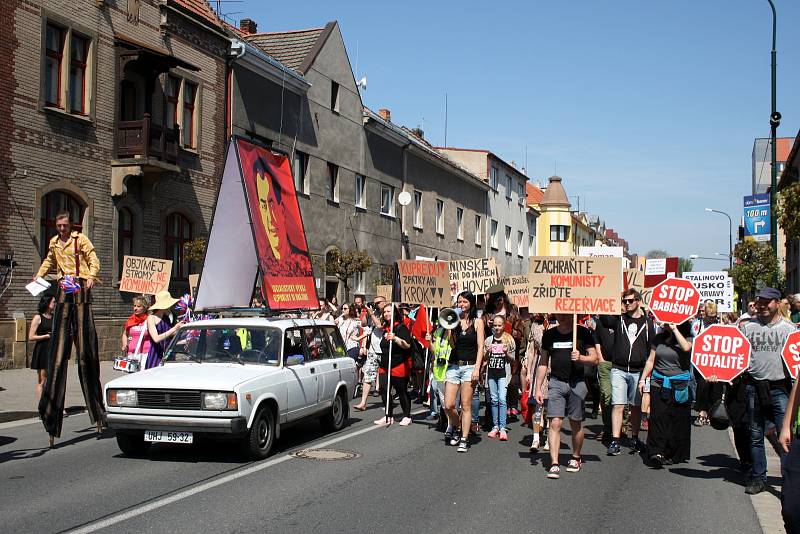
{"x":774,"y":122}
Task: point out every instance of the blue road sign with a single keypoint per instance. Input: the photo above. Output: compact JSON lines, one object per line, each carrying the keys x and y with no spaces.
{"x":756,"y":217}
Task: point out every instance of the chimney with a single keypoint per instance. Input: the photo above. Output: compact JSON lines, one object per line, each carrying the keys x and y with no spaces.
{"x":418,"y":132}
{"x":385,"y":114}
{"x":248,"y":26}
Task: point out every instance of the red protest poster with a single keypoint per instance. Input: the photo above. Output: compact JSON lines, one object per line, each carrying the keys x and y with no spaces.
{"x":283,"y":259}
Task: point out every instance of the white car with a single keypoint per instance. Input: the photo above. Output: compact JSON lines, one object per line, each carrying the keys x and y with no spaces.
{"x":242,"y":378}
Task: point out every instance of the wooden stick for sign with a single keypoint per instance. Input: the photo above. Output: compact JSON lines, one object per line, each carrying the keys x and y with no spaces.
{"x":574,"y":331}
{"x":427,"y":350}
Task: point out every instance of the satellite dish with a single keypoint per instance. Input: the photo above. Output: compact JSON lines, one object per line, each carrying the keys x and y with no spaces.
{"x":362,"y":83}
{"x":404,"y":198}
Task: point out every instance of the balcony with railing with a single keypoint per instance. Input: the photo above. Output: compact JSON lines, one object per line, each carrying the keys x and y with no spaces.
{"x":145,"y":140}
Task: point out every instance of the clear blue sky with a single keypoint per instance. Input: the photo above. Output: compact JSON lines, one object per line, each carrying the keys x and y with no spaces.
{"x":648,"y":109}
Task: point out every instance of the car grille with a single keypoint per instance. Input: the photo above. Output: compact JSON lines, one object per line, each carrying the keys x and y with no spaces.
{"x":169,"y":399}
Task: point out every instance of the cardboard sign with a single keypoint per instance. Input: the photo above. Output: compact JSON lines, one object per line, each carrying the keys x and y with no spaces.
{"x":384,"y":291}
{"x":146,"y":276}
{"x":193,"y":280}
{"x":791,"y":354}
{"x":424,"y":282}
{"x":601,"y":252}
{"x":517,"y":289}
{"x":721,"y":351}
{"x":476,"y":275}
{"x":715,"y":286}
{"x":575,"y":285}
{"x":634,"y":279}
{"x":656,"y":270}
{"x":674,"y":300}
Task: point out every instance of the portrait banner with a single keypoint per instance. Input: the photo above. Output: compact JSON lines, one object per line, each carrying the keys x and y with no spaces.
{"x":475,"y":275}
{"x":575,"y":285}
{"x":424,"y":282}
{"x":146,"y":276}
{"x":281,"y":246}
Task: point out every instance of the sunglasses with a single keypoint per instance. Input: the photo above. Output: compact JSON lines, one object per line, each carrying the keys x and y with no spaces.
{"x":628,"y":301}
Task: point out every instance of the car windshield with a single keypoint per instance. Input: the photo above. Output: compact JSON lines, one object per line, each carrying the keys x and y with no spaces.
{"x":249,"y":345}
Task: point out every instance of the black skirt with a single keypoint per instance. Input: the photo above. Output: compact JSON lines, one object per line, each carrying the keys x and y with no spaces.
{"x":670,"y":428}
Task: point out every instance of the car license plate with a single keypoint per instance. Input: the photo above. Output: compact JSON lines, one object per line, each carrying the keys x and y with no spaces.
{"x":167,"y":437}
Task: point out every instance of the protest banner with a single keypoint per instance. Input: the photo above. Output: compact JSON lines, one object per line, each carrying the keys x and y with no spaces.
{"x":575,"y":285}
{"x":656,"y":270}
{"x":721,"y":351}
{"x":517,"y":289}
{"x":601,"y":252}
{"x":715,"y":286}
{"x":194,"y":279}
{"x":674,"y":300}
{"x":424,"y":282}
{"x":791,"y":354}
{"x":634,"y":279}
{"x":146,"y":276}
{"x":384,"y":291}
{"x":476,"y":275}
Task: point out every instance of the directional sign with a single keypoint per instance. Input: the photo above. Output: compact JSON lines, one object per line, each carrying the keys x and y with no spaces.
{"x":721,"y":351}
{"x":791,"y":353}
{"x":756,"y":217}
{"x":675,"y":300}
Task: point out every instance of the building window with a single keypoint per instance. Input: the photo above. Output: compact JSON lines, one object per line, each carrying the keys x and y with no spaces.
{"x":493,"y":233}
{"x":460,"y":224}
{"x":521,"y":193}
{"x":332,"y":184}
{"x":54,"y":53}
{"x":478,"y":230}
{"x":74,"y":95}
{"x":440,"y":216}
{"x":358,"y":282}
{"x":189,"y":96}
{"x":387,"y":200}
{"x":531,"y":245}
{"x":559,"y":232}
{"x":493,"y":178}
{"x":52,"y":204}
{"x":177,"y":233}
{"x":520,"y":243}
{"x":301,"y":172}
{"x":124,"y":236}
{"x":360,"y":190}
{"x":509,"y":181}
{"x":172,"y":96}
{"x":417,"y":209}
{"x":508,"y":240}
{"x":334,"y":96}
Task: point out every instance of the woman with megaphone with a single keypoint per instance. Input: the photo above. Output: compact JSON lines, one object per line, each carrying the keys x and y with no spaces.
{"x":463,"y":370}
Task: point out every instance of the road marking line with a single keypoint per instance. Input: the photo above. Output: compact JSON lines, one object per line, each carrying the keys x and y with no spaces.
{"x":19,"y":422}
{"x":141,"y":509}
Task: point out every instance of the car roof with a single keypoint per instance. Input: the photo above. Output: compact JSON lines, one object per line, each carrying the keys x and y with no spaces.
{"x":244,"y":322}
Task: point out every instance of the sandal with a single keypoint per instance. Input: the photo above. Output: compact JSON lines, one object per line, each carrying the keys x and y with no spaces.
{"x":359,"y":408}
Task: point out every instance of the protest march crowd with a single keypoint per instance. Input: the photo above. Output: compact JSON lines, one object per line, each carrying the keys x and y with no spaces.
{"x":634,"y":371}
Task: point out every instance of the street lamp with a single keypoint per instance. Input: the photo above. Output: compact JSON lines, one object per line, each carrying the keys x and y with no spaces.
{"x":696,"y":257}
{"x":774,"y":122}
{"x":730,"y":235}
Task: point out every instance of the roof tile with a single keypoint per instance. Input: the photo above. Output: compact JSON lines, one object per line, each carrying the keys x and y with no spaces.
{"x":290,"y":48}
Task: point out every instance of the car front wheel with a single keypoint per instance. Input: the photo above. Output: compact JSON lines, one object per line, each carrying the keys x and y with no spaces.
{"x":132,"y":444}
{"x":261,"y":436}
{"x":336,"y":418}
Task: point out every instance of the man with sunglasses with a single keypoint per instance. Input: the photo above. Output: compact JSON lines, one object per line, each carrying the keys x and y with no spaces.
{"x":632,"y":332}
{"x":766,"y":383}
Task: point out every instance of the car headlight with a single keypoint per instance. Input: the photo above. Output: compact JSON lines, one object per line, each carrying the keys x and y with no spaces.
{"x":122,"y":397}
{"x":219,"y":400}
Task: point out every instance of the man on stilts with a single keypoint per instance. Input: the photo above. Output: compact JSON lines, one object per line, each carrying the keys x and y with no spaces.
{"x":77,"y":265}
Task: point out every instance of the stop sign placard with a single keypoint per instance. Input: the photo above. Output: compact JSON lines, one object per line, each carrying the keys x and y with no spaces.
{"x":674,"y":300}
{"x":791,"y":353}
{"x":721,"y":351}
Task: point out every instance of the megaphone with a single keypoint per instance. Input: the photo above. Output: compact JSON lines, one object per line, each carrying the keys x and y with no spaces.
{"x":449,"y":317}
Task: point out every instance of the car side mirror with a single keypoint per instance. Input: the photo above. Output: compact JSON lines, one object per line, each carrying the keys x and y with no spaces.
{"x":295,"y":359}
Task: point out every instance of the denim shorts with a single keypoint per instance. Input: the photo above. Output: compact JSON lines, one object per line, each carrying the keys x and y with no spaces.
{"x":625,"y":388}
{"x":457,"y":374}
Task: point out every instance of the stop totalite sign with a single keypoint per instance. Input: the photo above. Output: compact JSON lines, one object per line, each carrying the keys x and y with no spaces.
{"x":674,"y":300}
{"x":721,"y":351}
{"x":791,"y":353}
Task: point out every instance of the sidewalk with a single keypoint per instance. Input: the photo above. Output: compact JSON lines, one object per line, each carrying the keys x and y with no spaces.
{"x":18,"y":391}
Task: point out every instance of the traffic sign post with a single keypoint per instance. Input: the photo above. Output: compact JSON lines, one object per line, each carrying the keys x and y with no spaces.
{"x":675,"y":300}
{"x":791,"y":354}
{"x":721,"y":351}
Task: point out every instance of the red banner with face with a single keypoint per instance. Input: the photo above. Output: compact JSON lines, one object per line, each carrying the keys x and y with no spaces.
{"x":287,"y":278}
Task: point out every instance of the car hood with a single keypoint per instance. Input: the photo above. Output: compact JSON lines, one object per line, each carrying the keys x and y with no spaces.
{"x":190,"y":375}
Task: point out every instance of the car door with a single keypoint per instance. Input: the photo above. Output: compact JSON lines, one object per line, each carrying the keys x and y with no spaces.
{"x":326,"y":366}
{"x":302,"y":380}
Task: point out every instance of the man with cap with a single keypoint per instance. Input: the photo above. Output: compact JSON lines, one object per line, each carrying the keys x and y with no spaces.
{"x":767,"y":384}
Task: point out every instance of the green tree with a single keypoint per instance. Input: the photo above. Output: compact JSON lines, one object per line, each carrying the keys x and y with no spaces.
{"x":685,"y":265}
{"x":755,"y":266}
{"x":194,"y":251}
{"x":656,"y":254}
{"x":788,"y":206}
{"x":344,"y":265}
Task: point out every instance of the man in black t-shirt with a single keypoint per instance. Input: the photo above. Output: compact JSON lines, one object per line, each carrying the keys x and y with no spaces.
{"x":567,"y":387}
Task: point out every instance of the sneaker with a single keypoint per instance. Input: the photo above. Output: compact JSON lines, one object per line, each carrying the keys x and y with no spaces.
{"x":546,"y":445}
{"x":503,"y":435}
{"x":463,"y":445}
{"x":405,"y":421}
{"x":514,"y":411}
{"x":638,"y":445}
{"x":554,"y":471}
{"x":493,"y":433}
{"x":448,"y":435}
{"x":613,"y":449}
{"x":433,"y":416}
{"x":574,"y":465}
{"x":755,"y":486}
{"x":535,"y":445}
{"x":658,"y":460}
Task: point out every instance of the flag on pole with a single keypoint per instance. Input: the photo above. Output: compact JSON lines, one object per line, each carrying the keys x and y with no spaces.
{"x":421,"y":326}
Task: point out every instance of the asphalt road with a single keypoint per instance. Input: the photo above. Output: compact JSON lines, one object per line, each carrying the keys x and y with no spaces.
{"x":404,"y":480}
